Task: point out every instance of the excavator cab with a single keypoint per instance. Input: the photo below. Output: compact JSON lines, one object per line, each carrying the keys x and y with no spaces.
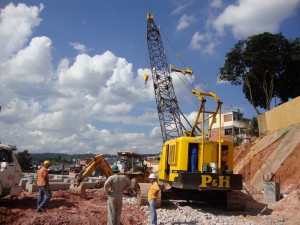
{"x":129,"y":162}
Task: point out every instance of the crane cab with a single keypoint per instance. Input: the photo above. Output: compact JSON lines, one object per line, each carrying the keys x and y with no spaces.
{"x":188,"y":163}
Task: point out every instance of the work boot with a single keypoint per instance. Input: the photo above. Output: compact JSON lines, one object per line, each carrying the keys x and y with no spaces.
{"x":40,"y":209}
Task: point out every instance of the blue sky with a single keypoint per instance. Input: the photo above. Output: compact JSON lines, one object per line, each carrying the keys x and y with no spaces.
{"x":71,"y":72}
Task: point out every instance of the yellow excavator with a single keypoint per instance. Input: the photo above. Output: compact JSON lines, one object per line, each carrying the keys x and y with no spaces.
{"x":129,"y":163}
{"x":195,"y":166}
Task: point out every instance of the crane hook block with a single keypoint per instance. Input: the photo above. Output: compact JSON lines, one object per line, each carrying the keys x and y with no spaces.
{"x":146,"y":78}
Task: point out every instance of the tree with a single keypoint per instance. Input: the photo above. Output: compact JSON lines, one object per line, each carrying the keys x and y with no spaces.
{"x":289,"y":82}
{"x":25,"y":160}
{"x":260,"y":64}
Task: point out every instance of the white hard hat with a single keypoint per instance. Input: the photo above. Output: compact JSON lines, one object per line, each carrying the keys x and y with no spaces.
{"x":152,"y":176}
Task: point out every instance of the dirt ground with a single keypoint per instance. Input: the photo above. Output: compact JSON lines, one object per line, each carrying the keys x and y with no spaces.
{"x":65,"y":209}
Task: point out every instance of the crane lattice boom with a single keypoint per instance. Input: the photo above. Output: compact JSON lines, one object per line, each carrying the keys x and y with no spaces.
{"x":166,"y":101}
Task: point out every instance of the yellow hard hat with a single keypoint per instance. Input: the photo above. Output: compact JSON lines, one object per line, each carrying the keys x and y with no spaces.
{"x":47,"y":162}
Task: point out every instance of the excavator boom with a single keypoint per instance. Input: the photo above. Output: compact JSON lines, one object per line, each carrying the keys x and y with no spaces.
{"x":98,"y":162}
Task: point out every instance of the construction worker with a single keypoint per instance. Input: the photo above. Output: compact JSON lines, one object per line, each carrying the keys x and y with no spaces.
{"x":114,"y":187}
{"x":121,"y":165}
{"x":44,"y":194}
{"x":153,"y":195}
{"x":194,"y":157}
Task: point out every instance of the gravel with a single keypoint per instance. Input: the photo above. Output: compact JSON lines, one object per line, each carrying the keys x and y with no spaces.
{"x":199,"y":213}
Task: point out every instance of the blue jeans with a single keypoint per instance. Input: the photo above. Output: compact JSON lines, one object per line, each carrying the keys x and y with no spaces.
{"x":43,"y":192}
{"x":152,"y":204}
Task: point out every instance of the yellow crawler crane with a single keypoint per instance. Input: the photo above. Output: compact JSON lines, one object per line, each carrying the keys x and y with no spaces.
{"x":195,"y":166}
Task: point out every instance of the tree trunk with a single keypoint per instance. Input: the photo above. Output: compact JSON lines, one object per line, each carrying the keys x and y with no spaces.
{"x":250,"y":93}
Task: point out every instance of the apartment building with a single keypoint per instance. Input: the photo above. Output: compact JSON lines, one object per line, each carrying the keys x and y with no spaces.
{"x":234,"y":126}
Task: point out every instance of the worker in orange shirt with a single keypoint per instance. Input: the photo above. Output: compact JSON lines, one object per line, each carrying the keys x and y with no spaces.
{"x":152,"y":197}
{"x":44,"y":187}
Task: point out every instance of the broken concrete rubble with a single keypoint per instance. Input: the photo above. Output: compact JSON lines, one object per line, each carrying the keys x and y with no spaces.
{"x":59,"y":182}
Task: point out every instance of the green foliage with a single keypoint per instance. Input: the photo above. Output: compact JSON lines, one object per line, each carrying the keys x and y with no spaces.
{"x":266,"y":65}
{"x":253,"y":131}
{"x":59,"y":157}
{"x":68,"y":158}
{"x":288,"y":87}
{"x":25,"y":160}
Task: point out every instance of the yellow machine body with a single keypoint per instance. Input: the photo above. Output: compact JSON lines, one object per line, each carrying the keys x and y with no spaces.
{"x":214,"y":164}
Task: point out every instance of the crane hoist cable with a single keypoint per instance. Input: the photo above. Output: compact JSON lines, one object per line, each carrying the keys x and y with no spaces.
{"x":197,"y":80}
{"x":168,"y":109}
{"x":190,"y":85}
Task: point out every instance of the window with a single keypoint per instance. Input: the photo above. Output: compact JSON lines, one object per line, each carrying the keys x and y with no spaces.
{"x":237,"y":117}
{"x":228,"y":131}
{"x":6,"y":156}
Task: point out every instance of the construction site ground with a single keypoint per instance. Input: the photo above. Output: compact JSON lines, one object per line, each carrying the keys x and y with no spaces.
{"x":274,"y":156}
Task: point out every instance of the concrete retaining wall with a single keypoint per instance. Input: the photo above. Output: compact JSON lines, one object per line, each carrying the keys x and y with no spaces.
{"x":280,"y":117}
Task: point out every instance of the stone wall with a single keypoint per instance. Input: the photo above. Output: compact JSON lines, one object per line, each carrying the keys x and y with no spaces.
{"x":280,"y":117}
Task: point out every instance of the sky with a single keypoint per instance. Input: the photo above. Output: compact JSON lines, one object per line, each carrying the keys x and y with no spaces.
{"x":71,"y":72}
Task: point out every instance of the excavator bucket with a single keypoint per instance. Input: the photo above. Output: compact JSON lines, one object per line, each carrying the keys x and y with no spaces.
{"x":78,"y":189}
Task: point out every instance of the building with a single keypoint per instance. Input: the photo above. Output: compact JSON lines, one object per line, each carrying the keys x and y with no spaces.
{"x":234,"y":126}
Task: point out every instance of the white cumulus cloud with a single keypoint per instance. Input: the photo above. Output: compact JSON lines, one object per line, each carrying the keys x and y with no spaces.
{"x":249,"y":17}
{"x":185,"y":21}
{"x":85,"y":104}
{"x":16,"y":25}
{"x":203,"y":42}
{"x":81,"y":48}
